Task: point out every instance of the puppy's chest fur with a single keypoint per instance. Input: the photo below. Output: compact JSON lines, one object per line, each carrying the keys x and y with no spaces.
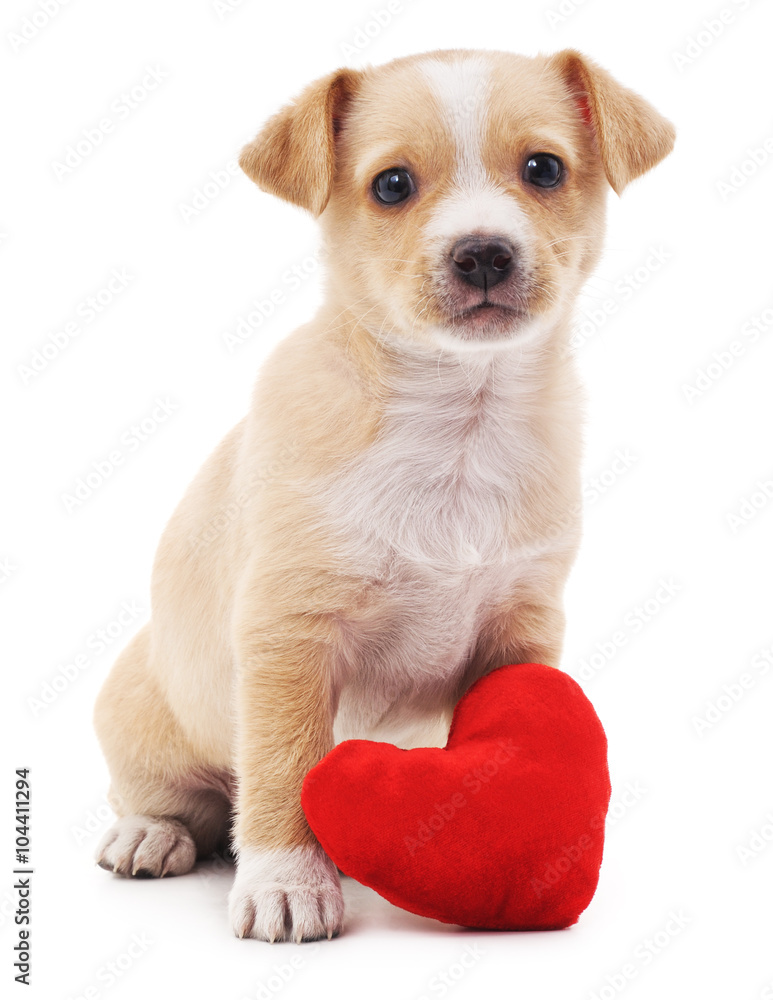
{"x":424,"y":519}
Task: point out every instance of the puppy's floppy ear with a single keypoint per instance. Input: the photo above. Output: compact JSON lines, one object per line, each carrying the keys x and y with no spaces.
{"x":630,"y":134}
{"x":294,"y":155}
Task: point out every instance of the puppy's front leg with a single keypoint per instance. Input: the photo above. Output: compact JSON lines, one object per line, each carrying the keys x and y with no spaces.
{"x":286,"y":887}
{"x":528,"y":629}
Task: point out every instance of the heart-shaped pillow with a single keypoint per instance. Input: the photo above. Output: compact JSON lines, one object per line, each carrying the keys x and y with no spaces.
{"x":501,"y":829}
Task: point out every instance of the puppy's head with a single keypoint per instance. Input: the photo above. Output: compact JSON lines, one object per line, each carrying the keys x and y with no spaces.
{"x":461,"y":193}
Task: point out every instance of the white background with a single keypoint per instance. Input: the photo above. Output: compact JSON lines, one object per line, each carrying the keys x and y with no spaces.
{"x":673,"y":844}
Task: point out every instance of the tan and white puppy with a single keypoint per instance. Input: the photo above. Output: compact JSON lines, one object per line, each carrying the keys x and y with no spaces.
{"x":398,"y":513}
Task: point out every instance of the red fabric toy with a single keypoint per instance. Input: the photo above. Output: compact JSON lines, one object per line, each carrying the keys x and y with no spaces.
{"x":501,"y":829}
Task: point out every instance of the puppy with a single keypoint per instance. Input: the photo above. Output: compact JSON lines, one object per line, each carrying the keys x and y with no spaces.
{"x":398,"y":512}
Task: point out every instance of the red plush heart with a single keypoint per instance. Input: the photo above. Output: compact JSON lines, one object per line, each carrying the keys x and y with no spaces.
{"x":501,"y":829}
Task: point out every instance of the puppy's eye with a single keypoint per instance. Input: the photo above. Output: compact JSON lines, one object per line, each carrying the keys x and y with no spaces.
{"x":543,"y":170}
{"x":393,"y":186}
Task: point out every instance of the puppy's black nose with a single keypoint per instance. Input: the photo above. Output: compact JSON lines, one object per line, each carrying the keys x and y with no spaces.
{"x":483,"y":262}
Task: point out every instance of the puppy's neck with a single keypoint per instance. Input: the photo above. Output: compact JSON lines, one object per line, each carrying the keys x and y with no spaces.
{"x":393,"y":362}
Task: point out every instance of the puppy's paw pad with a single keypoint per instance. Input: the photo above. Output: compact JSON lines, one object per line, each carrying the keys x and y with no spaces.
{"x":287,"y":895}
{"x":147,"y":847}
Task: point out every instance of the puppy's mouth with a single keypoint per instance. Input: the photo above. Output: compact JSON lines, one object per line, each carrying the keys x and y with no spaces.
{"x":496,"y":299}
{"x":488,"y":304}
{"x":486,"y":318}
{"x":486,"y":287}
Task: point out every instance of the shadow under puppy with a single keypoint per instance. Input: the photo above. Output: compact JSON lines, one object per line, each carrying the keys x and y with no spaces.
{"x":398,"y":512}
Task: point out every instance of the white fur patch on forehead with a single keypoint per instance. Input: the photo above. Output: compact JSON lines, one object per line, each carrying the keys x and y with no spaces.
{"x":461,"y":87}
{"x":477,"y":204}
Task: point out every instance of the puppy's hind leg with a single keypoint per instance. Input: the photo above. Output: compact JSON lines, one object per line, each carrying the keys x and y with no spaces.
{"x":172,"y":806}
{"x":147,"y":847}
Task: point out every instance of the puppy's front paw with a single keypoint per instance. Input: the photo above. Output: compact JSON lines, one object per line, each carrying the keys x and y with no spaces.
{"x":290,"y":894}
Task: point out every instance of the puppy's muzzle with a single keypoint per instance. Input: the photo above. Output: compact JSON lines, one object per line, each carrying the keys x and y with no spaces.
{"x":482,"y":262}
